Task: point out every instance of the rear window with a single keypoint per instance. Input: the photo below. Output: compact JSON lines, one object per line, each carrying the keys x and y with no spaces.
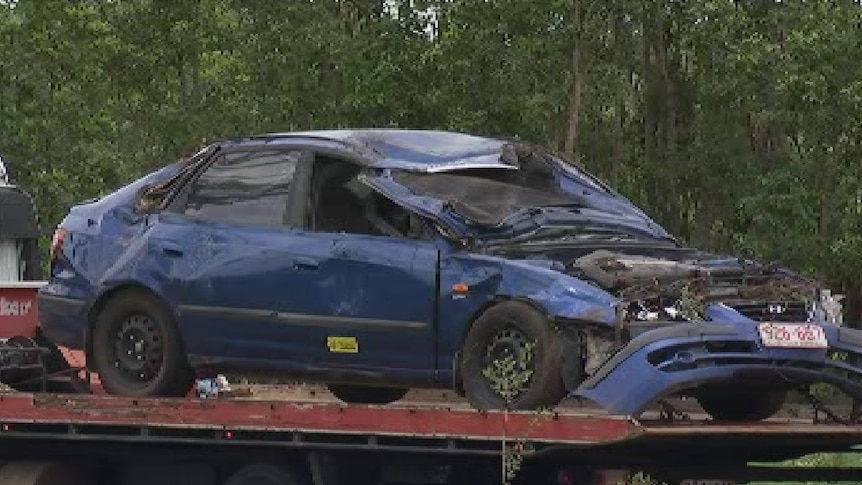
{"x":244,"y":188}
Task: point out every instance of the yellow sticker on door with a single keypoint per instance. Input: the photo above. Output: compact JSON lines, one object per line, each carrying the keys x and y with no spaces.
{"x":345,"y":345}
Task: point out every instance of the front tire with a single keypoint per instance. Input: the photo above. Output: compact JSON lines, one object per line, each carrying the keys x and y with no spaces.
{"x":742,"y":406}
{"x":511,"y":359}
{"x":366,"y":395}
{"x":137,"y":349}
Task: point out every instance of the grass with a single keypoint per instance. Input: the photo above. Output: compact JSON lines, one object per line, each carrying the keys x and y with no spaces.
{"x":819,"y":460}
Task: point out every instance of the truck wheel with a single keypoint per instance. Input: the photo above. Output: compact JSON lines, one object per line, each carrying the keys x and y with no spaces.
{"x":742,"y":406}
{"x":260,"y":474}
{"x":44,"y":473}
{"x":366,"y":395}
{"x":511,"y":359}
{"x":137,"y":349}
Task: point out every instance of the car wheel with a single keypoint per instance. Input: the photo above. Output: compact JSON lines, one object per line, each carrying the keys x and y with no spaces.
{"x":137,"y":349}
{"x":366,"y":395}
{"x":511,"y":359}
{"x":742,"y":406}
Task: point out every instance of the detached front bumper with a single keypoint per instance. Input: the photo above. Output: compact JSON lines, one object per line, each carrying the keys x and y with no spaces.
{"x":686,"y":356}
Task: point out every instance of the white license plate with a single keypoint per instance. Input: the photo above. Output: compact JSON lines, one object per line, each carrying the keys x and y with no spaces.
{"x":792,"y":335}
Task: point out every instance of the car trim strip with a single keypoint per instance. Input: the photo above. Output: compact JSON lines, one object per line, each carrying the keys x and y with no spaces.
{"x":61,"y":300}
{"x":306,"y":320}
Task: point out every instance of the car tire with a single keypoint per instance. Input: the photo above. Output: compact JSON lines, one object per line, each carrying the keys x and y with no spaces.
{"x":517,"y":330}
{"x":366,"y":395}
{"x":137,"y":350}
{"x":742,"y":406}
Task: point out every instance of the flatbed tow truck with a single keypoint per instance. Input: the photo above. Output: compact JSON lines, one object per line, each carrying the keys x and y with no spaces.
{"x":81,"y":435}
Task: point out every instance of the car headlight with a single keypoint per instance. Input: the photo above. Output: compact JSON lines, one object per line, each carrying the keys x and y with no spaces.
{"x":829,"y":309}
{"x":652,"y":310}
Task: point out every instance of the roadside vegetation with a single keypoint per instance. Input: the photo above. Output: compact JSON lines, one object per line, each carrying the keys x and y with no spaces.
{"x":735,"y":124}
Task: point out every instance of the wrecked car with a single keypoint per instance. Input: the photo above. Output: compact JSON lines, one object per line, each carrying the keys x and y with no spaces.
{"x":379,"y":260}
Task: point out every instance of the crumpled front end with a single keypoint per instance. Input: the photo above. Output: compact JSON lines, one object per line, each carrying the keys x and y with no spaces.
{"x":694,"y":322}
{"x":726,"y":350}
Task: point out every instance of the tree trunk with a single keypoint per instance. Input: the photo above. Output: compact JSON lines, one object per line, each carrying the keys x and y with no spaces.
{"x":575,"y":84}
{"x":619,"y":101}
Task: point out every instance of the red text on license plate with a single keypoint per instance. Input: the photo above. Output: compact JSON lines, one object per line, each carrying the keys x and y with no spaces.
{"x":792,"y":335}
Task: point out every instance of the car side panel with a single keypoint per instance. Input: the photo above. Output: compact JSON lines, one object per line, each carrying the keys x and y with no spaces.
{"x":490,"y":278}
{"x":224,"y":281}
{"x":378,"y":290}
{"x":100,"y":251}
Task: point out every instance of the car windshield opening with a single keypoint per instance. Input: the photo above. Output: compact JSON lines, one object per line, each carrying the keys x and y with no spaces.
{"x":487,"y":196}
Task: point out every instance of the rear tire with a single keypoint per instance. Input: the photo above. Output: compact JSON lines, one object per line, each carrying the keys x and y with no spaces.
{"x":137,"y":349}
{"x":516,"y":333}
{"x":742,"y":406}
{"x":366,"y":395}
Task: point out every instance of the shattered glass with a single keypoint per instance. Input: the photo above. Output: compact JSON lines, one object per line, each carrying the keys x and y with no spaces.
{"x":488,"y":196}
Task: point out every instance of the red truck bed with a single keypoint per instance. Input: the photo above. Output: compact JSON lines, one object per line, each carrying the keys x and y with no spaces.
{"x":107,"y":425}
{"x":32,"y":425}
{"x":249,"y":418}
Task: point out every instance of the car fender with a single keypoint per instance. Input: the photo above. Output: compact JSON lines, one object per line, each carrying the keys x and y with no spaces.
{"x":133,"y":270}
{"x":470,"y":283}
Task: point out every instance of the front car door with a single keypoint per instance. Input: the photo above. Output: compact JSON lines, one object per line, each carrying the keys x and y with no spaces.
{"x":369,"y":304}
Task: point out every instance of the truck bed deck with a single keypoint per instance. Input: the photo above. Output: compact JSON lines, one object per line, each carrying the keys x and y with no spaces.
{"x":412,"y":426}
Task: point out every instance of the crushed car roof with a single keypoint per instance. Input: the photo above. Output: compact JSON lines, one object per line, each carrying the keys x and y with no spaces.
{"x":428,"y":151}
{"x":419,"y":150}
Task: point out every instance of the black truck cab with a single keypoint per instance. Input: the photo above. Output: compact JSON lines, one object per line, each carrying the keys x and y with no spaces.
{"x":19,"y":232}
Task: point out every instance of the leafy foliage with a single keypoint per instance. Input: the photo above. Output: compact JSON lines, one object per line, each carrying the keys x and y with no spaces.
{"x":510,"y":376}
{"x":735,"y":124}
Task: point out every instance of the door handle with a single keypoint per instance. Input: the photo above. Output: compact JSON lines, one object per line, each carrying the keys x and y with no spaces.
{"x":345,"y":252}
{"x":305,"y":263}
{"x":171,"y":248}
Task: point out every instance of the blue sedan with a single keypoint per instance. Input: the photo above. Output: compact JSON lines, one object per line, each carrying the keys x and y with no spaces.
{"x":379,"y":260}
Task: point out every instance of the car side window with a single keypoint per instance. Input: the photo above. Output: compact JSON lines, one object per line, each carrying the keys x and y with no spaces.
{"x":244,"y":188}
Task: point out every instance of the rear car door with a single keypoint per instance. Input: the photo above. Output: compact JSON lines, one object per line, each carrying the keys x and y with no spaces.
{"x":224,"y":237}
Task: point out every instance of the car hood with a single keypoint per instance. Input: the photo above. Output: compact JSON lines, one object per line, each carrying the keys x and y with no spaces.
{"x":615,"y":265}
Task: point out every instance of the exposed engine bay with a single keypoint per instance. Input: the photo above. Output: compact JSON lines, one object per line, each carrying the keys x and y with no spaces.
{"x":679,"y":290}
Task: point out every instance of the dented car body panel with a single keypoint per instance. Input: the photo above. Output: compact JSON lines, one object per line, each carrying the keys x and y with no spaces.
{"x":378,"y":276}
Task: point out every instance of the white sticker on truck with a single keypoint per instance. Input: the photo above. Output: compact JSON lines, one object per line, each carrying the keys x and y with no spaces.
{"x":14,"y":308}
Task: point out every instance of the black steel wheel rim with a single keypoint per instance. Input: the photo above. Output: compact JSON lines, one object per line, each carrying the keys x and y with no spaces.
{"x":512,"y":342}
{"x":138,"y":352}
